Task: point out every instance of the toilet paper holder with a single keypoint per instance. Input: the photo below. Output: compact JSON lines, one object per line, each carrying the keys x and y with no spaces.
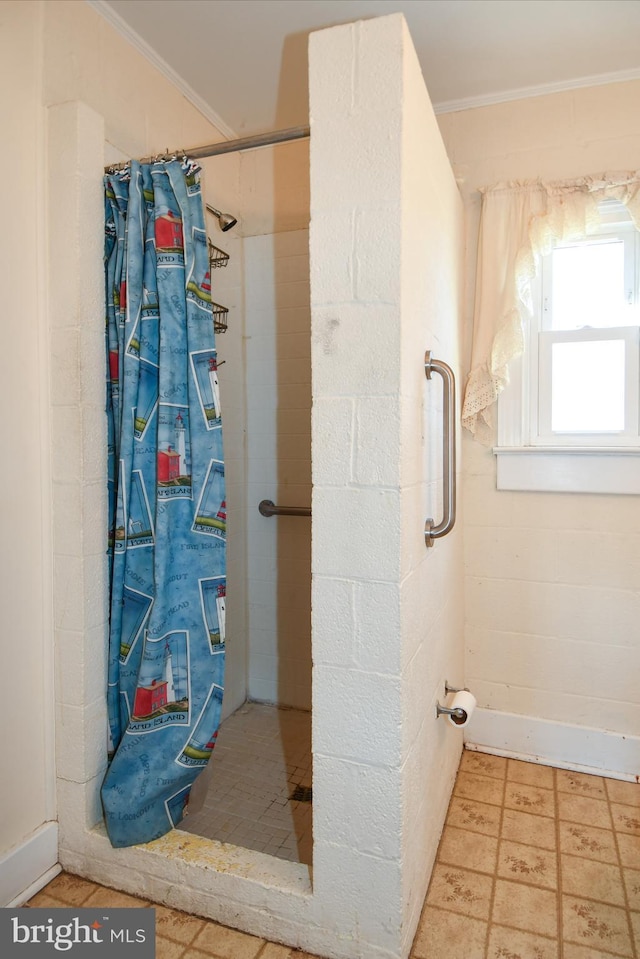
{"x":458,"y":714}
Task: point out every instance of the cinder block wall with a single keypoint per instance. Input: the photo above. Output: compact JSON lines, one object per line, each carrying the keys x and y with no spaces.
{"x":386,"y":246}
{"x":552,"y":579}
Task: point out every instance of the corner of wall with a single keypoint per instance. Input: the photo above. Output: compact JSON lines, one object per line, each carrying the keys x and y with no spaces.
{"x":78,"y":444}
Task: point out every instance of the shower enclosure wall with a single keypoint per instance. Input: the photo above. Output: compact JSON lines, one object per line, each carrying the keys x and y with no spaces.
{"x":258,"y":784}
{"x":278,"y":423}
{"x":267,"y":421}
{"x":386,"y":619}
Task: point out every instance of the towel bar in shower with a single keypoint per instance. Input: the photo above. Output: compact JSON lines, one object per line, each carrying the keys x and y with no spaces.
{"x":432,"y":531}
{"x":267,"y":508}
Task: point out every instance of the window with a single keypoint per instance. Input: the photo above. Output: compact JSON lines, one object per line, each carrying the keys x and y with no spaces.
{"x":573,"y":403}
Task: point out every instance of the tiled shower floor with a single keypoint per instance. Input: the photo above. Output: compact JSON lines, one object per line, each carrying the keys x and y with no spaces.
{"x":260,"y":783}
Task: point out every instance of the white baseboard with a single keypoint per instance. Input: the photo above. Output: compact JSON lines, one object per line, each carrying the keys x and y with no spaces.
{"x":28,"y":867}
{"x":579,"y":748}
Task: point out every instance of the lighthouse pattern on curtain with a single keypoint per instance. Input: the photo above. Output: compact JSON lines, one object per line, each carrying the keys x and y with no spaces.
{"x":167,"y":505}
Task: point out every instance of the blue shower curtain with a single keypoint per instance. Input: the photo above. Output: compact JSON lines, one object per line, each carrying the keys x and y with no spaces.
{"x":167,"y":509}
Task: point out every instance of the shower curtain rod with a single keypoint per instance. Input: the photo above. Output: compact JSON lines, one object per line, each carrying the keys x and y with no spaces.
{"x":228,"y":146}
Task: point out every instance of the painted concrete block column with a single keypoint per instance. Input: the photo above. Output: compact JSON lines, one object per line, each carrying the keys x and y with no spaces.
{"x":355,"y":302}
{"x":79,"y":449}
{"x":385,"y":251}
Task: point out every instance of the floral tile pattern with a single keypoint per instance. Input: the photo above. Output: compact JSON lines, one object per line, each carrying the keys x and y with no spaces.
{"x":506,"y":943}
{"x":566,"y":881}
{"x":581,"y":784}
{"x":533,"y":863}
{"x":474,"y":816}
{"x":596,"y":924}
{"x":485,"y":765}
{"x":528,"y":864}
{"x":460,"y":890}
{"x":588,"y":842}
{"x":632,"y":884}
{"x":626,"y":819}
{"x":72,"y":890}
{"x":531,"y":799}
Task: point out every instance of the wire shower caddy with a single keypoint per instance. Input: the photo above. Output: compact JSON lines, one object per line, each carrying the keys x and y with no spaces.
{"x":218,"y":258}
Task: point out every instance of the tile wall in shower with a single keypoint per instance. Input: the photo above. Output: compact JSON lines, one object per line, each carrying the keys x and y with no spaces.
{"x":278,"y":451}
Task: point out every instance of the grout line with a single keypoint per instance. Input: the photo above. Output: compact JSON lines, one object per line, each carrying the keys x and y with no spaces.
{"x":556,"y":800}
{"x":627,"y":907}
{"x":494,"y":878}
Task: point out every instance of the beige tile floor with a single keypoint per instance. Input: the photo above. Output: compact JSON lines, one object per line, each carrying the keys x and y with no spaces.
{"x":534,"y":863}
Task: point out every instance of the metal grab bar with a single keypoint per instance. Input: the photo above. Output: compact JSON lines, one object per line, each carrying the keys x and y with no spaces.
{"x":268,"y":508}
{"x":431,"y":531}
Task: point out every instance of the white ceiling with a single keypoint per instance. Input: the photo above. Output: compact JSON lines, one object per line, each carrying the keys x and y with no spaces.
{"x":244,"y":62}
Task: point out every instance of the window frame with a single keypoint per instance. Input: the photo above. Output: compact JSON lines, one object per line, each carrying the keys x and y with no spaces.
{"x":531,"y":458}
{"x":544,"y":434}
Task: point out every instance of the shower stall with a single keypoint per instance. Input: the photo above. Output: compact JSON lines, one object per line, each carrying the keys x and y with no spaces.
{"x":259,"y":780}
{"x":326,"y":407}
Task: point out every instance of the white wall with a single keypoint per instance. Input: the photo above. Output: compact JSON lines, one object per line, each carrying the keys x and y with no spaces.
{"x":275,"y":221}
{"x":552,"y":580}
{"x":221,"y":187}
{"x":26,"y":760}
{"x":267,"y":423}
{"x":275,"y":189}
{"x":278,"y":386}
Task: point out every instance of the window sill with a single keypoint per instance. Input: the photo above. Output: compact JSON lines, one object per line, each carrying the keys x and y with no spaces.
{"x":568,"y":470}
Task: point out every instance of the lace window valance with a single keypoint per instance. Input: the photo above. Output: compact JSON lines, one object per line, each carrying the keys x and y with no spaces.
{"x":520,"y":223}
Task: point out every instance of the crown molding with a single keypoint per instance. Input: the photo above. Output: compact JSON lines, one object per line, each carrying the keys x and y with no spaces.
{"x":540,"y":90}
{"x":123,"y":28}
